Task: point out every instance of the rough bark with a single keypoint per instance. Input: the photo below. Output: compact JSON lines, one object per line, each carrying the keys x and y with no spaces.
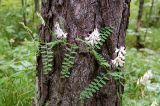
{"x":139,"y":22}
{"x":80,"y":17}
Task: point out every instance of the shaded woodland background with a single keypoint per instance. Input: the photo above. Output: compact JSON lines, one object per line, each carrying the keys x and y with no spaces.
{"x":19,"y":26}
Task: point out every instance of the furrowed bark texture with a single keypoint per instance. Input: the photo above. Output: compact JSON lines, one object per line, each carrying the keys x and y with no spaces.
{"x":79,"y":18}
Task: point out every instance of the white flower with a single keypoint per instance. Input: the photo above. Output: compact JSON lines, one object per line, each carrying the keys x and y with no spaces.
{"x":154,"y":103}
{"x":121,"y":50}
{"x":148,"y":75}
{"x":59,"y":32}
{"x":93,"y":38}
{"x":118,"y":62}
{"x":146,"y":79}
{"x":120,"y":59}
{"x":11,"y":40}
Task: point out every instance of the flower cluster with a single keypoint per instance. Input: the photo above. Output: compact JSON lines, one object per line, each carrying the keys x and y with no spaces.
{"x":11,"y":40}
{"x":146,"y":79}
{"x":120,"y":59}
{"x":93,"y":38}
{"x":59,"y":32}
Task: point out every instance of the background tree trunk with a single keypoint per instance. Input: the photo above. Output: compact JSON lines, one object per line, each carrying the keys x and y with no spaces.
{"x":139,"y":22}
{"x":37,"y":5}
{"x":149,"y":19}
{"x":80,"y":17}
{"x":24,"y":7}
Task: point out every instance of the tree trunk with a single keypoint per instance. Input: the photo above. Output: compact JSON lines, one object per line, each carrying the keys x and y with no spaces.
{"x":80,"y":18}
{"x":24,"y":3}
{"x":149,"y":19}
{"x":139,"y":22}
{"x":37,"y":5}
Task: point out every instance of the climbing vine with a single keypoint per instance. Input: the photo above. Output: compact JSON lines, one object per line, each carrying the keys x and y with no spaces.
{"x":94,"y":86}
{"x":104,"y":34}
{"x":94,"y":42}
{"x":100,"y":59}
{"x":68,"y":61}
{"x":47,"y":58}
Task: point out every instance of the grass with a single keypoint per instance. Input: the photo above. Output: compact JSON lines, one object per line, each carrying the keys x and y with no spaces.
{"x":18,"y":58}
{"x":140,"y":61}
{"x":17,"y":73}
{"x":137,"y":63}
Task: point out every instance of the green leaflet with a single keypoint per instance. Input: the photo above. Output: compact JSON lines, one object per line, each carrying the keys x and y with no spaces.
{"x":55,"y":43}
{"x":101,"y":79}
{"x":47,"y":58}
{"x":101,"y":60}
{"x":94,"y":86}
{"x":48,"y":55}
{"x":68,"y":61}
{"x":104,"y":34}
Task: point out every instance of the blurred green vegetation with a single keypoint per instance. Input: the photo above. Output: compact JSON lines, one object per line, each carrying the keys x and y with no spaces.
{"x":139,"y":61}
{"x":18,"y":54}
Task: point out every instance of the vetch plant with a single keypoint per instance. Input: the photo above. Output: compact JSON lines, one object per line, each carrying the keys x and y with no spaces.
{"x":47,"y":57}
{"x":93,"y":38}
{"x":94,"y":86}
{"x":68,"y":61}
{"x":101,"y":60}
{"x":104,"y":34}
{"x":146,"y":79}
{"x":95,"y":41}
{"x":145,"y":83}
{"x":48,"y":54}
{"x":119,"y":61}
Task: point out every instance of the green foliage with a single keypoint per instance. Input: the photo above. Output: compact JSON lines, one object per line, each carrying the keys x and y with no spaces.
{"x":94,"y":86}
{"x":17,"y":72}
{"x":56,"y":43}
{"x":68,"y":61}
{"x":100,"y":59}
{"x":48,"y":55}
{"x":104,"y":33}
{"x":9,"y":24}
{"x":18,"y":55}
{"x":47,"y":58}
{"x":137,"y":63}
{"x":100,"y":81}
{"x":152,"y":39}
